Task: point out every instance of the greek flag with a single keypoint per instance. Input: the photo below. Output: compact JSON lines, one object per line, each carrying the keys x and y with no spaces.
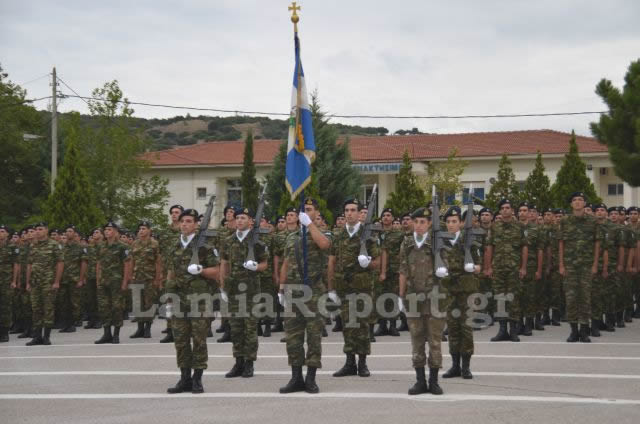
{"x":301,"y":148}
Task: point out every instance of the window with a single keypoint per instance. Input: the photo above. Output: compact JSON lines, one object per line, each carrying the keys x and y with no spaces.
{"x":201,"y":193}
{"x":478,"y":194}
{"x":234,"y":193}
{"x":615,"y":189}
{"x":603,"y":171}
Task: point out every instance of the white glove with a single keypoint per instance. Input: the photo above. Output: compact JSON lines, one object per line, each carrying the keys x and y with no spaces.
{"x":442,"y":272}
{"x":400,"y":305}
{"x":194,"y":269}
{"x":250,"y":265}
{"x":223,"y":296}
{"x":333,"y":296}
{"x":364,"y":261}
{"x":470,"y":267}
{"x":281,"y":299}
{"x":304,"y":219}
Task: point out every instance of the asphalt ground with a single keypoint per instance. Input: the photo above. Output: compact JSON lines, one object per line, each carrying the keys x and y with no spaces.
{"x":540,"y":379}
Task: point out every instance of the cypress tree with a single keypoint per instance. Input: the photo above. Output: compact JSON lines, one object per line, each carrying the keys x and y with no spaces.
{"x":248,"y":182}
{"x":408,"y":195}
{"x":505,"y":186}
{"x":537,"y":187}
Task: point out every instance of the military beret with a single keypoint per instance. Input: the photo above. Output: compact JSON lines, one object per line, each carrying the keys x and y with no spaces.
{"x":485,"y":210}
{"x":189,"y":212}
{"x":622,"y":209}
{"x":351,"y":201}
{"x":533,"y":206}
{"x":144,"y":223}
{"x":41,"y":224}
{"x":406,"y":214}
{"x":524,"y":204}
{"x":577,"y":194}
{"x":589,"y":205}
{"x":363,"y":206}
{"x":453,"y":211}
{"x":4,"y":227}
{"x":311,"y":202}
{"x":632,"y":209}
{"x":464,"y":214}
{"x":421,"y":213}
{"x":243,"y":211}
{"x":292,"y":209}
{"x":111,"y":224}
{"x":503,"y":202}
{"x":71,"y":227}
{"x":229,"y":207}
{"x":599,"y":206}
{"x":545,"y":210}
{"x":387,"y":210}
{"x":396,"y":220}
{"x":281,"y":218}
{"x":612,"y":209}
{"x":176,"y":207}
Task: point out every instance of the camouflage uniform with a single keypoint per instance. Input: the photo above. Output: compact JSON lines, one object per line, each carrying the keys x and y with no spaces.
{"x":43,"y":258}
{"x":242,"y":286}
{"x":269,"y":288}
{"x":9,"y":255}
{"x":531,"y":293}
{"x":353,"y":280}
{"x":600,"y":295}
{"x":297,"y":325}
{"x":189,"y":327}
{"x":391,"y":242}
{"x":70,"y":297}
{"x":111,"y":258}
{"x":416,"y":264}
{"x":167,"y":238}
{"x":613,"y":240}
{"x":22,"y":298}
{"x":555,"y":290}
{"x":91,"y":293}
{"x":507,"y":239}
{"x":145,"y":254}
{"x":631,"y":241}
{"x":485,"y":283}
{"x":579,"y":234}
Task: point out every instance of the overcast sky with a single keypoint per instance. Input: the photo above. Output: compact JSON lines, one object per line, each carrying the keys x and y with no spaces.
{"x":410,"y":57}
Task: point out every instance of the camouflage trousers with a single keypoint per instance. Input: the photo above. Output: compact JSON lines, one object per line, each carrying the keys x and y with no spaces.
{"x":376,"y":291}
{"x":598,"y":296}
{"x":190,"y":336}
{"x":70,"y":301}
{"x":577,"y":291}
{"x":636,"y":286}
{"x":628,"y":290}
{"x":555,"y":297}
{"x":506,"y":281}
{"x":43,"y":303}
{"x":22,"y":305}
{"x":459,"y":323}
{"x":111,"y":302}
{"x":528,"y":299}
{"x":355,"y":330}
{"x":298,"y":325}
{"x":91,"y":299}
{"x":389,"y":285}
{"x":612,"y":299}
{"x":244,"y":337}
{"x":486,"y":286}
{"x":620,"y":291}
{"x":6,"y":300}
{"x":426,"y":329}
{"x":146,"y":301}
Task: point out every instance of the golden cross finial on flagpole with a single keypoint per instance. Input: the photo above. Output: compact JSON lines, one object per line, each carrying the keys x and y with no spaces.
{"x":294,"y":16}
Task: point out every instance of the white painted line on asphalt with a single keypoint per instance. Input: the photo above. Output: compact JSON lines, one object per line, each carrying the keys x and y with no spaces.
{"x":335,"y":395}
{"x":288,"y":373}
{"x":545,"y":357}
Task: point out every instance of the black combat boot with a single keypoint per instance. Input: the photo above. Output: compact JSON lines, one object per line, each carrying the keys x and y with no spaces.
{"x":620,"y":319}
{"x":595,"y":327}
{"x":88,"y":325}
{"x":628,"y":315}
{"x":454,"y":371}
{"x":236,"y":370}
{"x":434,"y":387}
{"x":584,"y":333}
{"x":393,"y":331}
{"x":37,"y":337}
{"x":636,"y":314}
{"x":139,"y":332}
{"x":296,"y":384}
{"x":349,"y":367}
{"x":466,"y":366}
{"x":18,"y":327}
{"x":116,"y":335}
{"x":46,"y":339}
{"x":502,"y":335}
{"x":185,"y":384}
{"x":209,"y":332}
{"x":363,"y":370}
{"x":267,"y":329}
{"x":223,"y":324}
{"x":403,"y":322}
{"x":539,"y":323}
{"x":147,"y":330}
{"x":546,"y":319}
{"x":421,"y":383}
{"x":247,"y":371}
{"x":310,"y":385}
{"x":514,"y":330}
{"x":27,"y":331}
{"x":226,"y":336}
{"x":610,"y":323}
{"x":573,"y":337}
{"x":278,"y":327}
{"x":196,"y":381}
{"x":528,"y":327}
{"x":382,"y":328}
{"x":169,"y":337}
{"x":259,"y":329}
{"x":555,"y":318}
{"x":106,"y":336}
{"x":4,"y":334}
{"x":338,"y":327}
{"x":372,"y":337}
{"x":324,"y":332}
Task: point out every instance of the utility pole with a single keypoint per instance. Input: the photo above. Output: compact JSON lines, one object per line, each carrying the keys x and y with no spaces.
{"x":54,"y":129}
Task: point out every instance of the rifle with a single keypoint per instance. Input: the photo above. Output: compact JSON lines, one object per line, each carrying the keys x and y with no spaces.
{"x":368,"y":226}
{"x":469,"y":231}
{"x":438,"y":234}
{"x":203,"y":232}
{"x":254,"y":237}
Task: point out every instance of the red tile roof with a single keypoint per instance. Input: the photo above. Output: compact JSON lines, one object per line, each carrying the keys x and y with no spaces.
{"x":389,"y":148}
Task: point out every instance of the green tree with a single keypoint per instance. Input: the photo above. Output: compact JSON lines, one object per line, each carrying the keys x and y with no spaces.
{"x":572,"y":177}
{"x":24,"y":164}
{"x":445,"y":176}
{"x":505,"y":186}
{"x":537,"y":187}
{"x":248,"y":182}
{"x":73,"y":201}
{"x":619,"y":129}
{"x":408,"y":194}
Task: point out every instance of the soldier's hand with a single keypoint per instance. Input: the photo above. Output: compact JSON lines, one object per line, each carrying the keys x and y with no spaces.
{"x":562,"y":270}
{"x":334,"y":297}
{"x":400,"y":305}
{"x":14,"y":285}
{"x":223,"y":296}
{"x":382,"y":277}
{"x":55,"y":286}
{"x":304,"y":219}
{"x":594,"y":270}
{"x":281,"y":299}
{"x":442,"y":272}
{"x":605,"y":273}
{"x":488,"y":272}
{"x":80,"y":284}
{"x":470,"y":267}
{"x":28,"y":287}
{"x":619,"y":268}
{"x":250,"y":265}
{"x":538,"y":275}
{"x":194,"y":269}
{"x":523,"y":273}
{"x":123,"y":287}
{"x":364,"y":261}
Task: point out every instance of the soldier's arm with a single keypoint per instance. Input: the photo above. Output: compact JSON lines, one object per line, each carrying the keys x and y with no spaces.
{"x":488,"y":267}
{"x":605,"y":263}
{"x":331,"y":272}
{"x":16,"y":273}
{"x":223,"y":272}
{"x":28,"y":278}
{"x":384,"y":260}
{"x":212,"y":273}
{"x":620,"y":267}
{"x":283,"y":274}
{"x":159,"y":271}
{"x":83,"y":273}
{"x":540,"y":262}
{"x":276,"y":276}
{"x":59,"y":270}
{"x":402,"y":285}
{"x":98,"y":273}
{"x":523,"y":261}
{"x":596,"y":257}
{"x":561,"y":257}
{"x":318,"y":237}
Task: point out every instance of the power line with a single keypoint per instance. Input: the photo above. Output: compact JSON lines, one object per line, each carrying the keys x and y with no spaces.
{"x":35,"y":79}
{"x":25,"y":101}
{"x":74,"y":91}
{"x":246,"y":112}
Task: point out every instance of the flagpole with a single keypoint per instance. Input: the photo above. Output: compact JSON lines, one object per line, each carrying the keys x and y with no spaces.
{"x":295,"y":19}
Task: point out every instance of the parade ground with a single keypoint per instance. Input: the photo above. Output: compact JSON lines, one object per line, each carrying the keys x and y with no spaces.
{"x":540,"y":379}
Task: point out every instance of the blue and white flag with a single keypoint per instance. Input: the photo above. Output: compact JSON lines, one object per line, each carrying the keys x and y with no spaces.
{"x":301,"y":148}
